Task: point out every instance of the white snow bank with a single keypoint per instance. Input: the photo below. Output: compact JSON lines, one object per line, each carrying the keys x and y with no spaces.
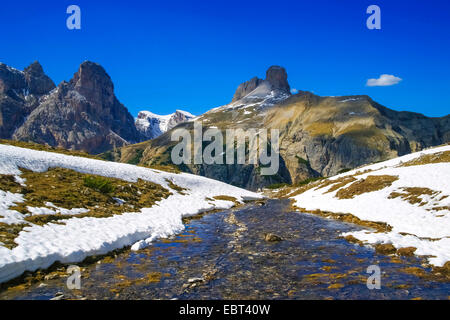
{"x":394,"y":162}
{"x":40,"y":246}
{"x":8,"y":199}
{"x":413,"y":225}
{"x":55,"y":210}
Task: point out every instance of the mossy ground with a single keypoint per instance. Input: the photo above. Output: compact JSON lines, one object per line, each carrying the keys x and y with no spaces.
{"x":317,"y":183}
{"x":349,"y":218}
{"x":369,"y":184}
{"x":176,"y":187}
{"x":414,"y":194}
{"x":9,"y":232}
{"x":440,"y":157}
{"x":227,"y":198}
{"x":337,"y":183}
{"x":69,"y":189}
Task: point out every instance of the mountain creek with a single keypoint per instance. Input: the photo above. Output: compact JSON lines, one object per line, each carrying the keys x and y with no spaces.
{"x":256,"y":251}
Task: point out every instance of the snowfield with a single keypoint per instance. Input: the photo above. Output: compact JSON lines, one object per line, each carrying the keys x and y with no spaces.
{"x":158,"y":124}
{"x":40,"y":246}
{"x":413,"y":225}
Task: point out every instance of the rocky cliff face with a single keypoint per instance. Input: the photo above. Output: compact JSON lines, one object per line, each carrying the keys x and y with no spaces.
{"x":277,"y":77}
{"x":81,"y":114}
{"x":334,"y":134}
{"x":37,"y":81}
{"x":319,"y":136}
{"x":265,"y":93}
{"x":20,"y":92}
{"x":151,"y":125}
{"x":246,"y":87}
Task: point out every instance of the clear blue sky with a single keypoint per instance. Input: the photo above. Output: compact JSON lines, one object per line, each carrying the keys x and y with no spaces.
{"x":192,"y":55}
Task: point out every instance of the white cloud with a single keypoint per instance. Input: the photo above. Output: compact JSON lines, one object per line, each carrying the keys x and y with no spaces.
{"x":294,"y":91}
{"x":383,"y":81}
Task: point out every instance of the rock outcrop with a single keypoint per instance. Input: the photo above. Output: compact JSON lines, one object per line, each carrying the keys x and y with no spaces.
{"x":274,"y":86}
{"x":246,"y":87}
{"x":37,"y":81}
{"x":277,"y":77}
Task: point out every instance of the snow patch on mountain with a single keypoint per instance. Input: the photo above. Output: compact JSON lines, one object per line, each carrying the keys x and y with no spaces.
{"x":424,"y":225}
{"x":153,"y":125}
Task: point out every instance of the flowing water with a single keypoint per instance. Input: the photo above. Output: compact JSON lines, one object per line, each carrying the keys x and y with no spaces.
{"x":224,"y":255}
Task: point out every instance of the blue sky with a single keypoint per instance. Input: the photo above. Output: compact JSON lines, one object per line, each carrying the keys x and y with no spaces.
{"x":192,"y":55}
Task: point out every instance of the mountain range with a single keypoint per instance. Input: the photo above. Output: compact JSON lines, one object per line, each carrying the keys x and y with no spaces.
{"x":82,"y":114}
{"x":319,"y":136}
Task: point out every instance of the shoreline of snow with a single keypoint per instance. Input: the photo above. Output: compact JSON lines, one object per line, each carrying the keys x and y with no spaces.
{"x":412,"y":225}
{"x":40,"y":246}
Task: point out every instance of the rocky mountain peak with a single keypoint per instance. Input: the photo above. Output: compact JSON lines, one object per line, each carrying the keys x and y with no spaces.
{"x":20,"y":93}
{"x":246,"y":87}
{"x":92,"y":82}
{"x":81,"y":114}
{"x":276,"y":80}
{"x":10,"y":78}
{"x":34,"y":69}
{"x":38,"y":82}
{"x":277,"y":77}
{"x":32,"y":80}
{"x":152,"y":125}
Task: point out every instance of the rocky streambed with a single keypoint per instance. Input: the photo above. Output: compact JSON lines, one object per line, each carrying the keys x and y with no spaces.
{"x":259,"y":251}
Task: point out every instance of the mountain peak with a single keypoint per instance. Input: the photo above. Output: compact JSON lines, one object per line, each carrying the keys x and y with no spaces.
{"x":35,"y":68}
{"x":32,"y":80}
{"x":92,"y":81}
{"x":246,"y":87}
{"x":152,"y":125}
{"x":10,"y":78}
{"x":185,"y":113}
{"x":91,"y":71}
{"x":38,"y":82}
{"x":277,"y":77}
{"x":82,"y":114}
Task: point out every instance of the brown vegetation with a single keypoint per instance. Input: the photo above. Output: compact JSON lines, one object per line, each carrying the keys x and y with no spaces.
{"x":349,"y":218}
{"x":64,"y":188}
{"x":369,"y":184}
{"x":413,"y":194}
{"x":385,"y":248}
{"x":439,"y":157}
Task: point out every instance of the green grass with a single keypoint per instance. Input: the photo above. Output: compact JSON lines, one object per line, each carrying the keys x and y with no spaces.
{"x":307,"y":181}
{"x":302,"y":161}
{"x":70,"y":189}
{"x":277,"y":185}
{"x":100,"y":184}
{"x":137,"y":157}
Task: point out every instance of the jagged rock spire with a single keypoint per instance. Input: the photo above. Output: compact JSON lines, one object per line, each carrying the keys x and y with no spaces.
{"x":38,"y":82}
{"x":276,"y":76}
